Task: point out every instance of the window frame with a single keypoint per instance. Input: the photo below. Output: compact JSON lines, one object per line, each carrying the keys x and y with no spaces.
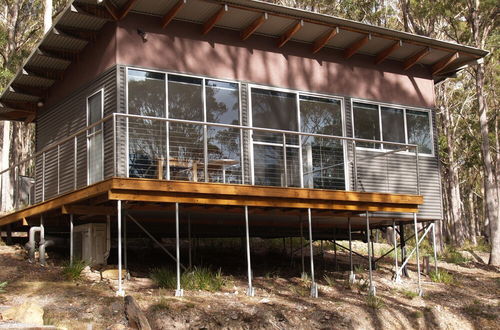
{"x":396,"y":106}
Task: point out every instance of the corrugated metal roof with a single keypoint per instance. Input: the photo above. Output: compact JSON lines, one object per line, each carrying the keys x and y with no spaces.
{"x":240,"y":14}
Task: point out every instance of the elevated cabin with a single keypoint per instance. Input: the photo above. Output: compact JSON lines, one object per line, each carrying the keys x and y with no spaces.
{"x":220,"y":105}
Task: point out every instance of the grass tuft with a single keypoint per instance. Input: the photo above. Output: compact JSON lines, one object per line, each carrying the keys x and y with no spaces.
{"x":452,"y":256}
{"x":374,"y":302}
{"x":409,"y":294}
{"x":479,"y":310}
{"x":197,"y":279}
{"x":442,"y":276}
{"x":329,"y":280}
{"x":2,"y":286}
{"x":73,"y":271}
{"x":161,"y":305}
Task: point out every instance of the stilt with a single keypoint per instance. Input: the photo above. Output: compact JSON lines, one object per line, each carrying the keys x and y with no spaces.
{"x":396,"y":278}
{"x":434,"y":248}
{"x":178,"y":292}
{"x":125,"y":259}
{"x":403,"y":248}
{"x":374,"y":264}
{"x":120,"y":291}
{"x":371,"y":289}
{"x":335,"y":260}
{"x":189,"y":240}
{"x":71,"y":239}
{"x":302,"y":246}
{"x":250,"y":290}
{"x":352,"y":277}
{"x":418,"y":254}
{"x":8,"y":239}
{"x":314,"y":287}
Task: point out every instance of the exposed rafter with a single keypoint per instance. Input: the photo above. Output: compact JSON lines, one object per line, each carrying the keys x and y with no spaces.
{"x":170,"y":15}
{"x":88,"y":210}
{"x":412,"y":60}
{"x":79,"y":33}
{"x":112,"y":9}
{"x":31,"y":91}
{"x":20,"y":106}
{"x":210,"y":24}
{"x":444,"y":63}
{"x":59,"y":32}
{"x":126,"y":9}
{"x":45,"y":73}
{"x":41,"y":52}
{"x":249,"y":30}
{"x":91,"y":11}
{"x":355,"y":46}
{"x":290,"y":33}
{"x":388,"y":51}
{"x":68,"y":54}
{"x":324,"y":39}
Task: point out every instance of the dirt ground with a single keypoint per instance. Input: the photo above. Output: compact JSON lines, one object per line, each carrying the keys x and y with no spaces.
{"x":281,"y":299}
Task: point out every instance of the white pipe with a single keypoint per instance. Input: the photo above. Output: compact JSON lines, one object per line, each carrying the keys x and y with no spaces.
{"x":71,"y":239}
{"x":41,"y":250}
{"x":31,"y":243}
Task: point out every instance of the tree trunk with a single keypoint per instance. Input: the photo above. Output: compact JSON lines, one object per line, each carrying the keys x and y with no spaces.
{"x":6,"y":177}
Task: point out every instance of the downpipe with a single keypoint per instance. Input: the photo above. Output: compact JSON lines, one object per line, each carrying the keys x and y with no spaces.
{"x":31,"y":245}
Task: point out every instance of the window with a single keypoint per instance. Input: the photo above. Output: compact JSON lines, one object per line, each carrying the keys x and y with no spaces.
{"x":94,"y":138}
{"x":323,"y":158}
{"x":419,"y":130}
{"x":185,"y":98}
{"x":391,"y":124}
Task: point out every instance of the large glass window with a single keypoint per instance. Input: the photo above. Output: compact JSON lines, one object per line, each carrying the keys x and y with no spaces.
{"x":419,"y":130}
{"x":393,"y":126}
{"x":147,"y":137}
{"x":323,"y":158}
{"x":382,"y":123}
{"x":185,"y":98}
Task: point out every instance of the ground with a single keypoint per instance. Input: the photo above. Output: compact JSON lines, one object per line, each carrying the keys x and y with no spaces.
{"x":281,"y":299}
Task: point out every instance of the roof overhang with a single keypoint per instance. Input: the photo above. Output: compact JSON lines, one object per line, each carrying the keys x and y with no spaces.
{"x":80,"y":22}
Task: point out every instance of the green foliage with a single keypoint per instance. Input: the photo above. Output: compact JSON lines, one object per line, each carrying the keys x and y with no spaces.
{"x":330,"y":281}
{"x":442,"y":276}
{"x":409,"y":294}
{"x":161,"y":305}
{"x":452,"y":256}
{"x":197,"y":279}
{"x":73,"y":271}
{"x":374,"y":302}
{"x":2,"y":286}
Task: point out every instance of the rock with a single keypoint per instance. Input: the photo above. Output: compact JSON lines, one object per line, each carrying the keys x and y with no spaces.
{"x":234,"y":316}
{"x":135,"y":315}
{"x":112,"y":274}
{"x":117,"y":326}
{"x":91,"y":275}
{"x":29,"y":313}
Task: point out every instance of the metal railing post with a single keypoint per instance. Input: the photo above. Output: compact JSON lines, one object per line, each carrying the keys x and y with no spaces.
{"x":355,"y":166}
{"x":58,"y":168}
{"x":284,"y":160}
{"x":43,"y":176}
{"x":114,"y":145}
{"x":75,"y":162}
{"x":417,"y":169}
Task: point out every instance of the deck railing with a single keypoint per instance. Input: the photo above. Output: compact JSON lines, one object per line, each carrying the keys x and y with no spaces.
{"x":122,"y":145}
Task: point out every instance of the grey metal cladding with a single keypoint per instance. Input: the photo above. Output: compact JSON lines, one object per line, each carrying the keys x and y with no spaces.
{"x":64,"y":119}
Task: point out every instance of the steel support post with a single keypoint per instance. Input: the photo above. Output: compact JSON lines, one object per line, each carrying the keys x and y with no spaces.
{"x":374,"y":264}
{"x":335,"y":250}
{"x":397,"y":278}
{"x":120,"y":291}
{"x":352,"y":277}
{"x":371,"y":289}
{"x":189,"y":241}
{"x":125,"y":259}
{"x":434,"y":248}
{"x":178,"y":292}
{"x":417,"y":243}
{"x":302,"y":247}
{"x":404,"y":271}
{"x":71,"y":239}
{"x":314,"y":287}
{"x":250,"y":290}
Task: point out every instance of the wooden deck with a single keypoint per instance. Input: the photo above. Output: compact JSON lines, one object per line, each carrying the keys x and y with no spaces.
{"x":97,"y":198}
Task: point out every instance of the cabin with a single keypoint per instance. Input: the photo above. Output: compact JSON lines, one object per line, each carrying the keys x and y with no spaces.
{"x":238,"y":118}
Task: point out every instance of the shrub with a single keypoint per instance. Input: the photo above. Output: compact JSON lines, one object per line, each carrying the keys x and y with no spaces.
{"x":374,"y":302}
{"x":409,"y":294}
{"x":74,"y":271}
{"x":452,"y":256}
{"x":442,"y":276}
{"x":197,"y":279}
{"x":2,"y":286}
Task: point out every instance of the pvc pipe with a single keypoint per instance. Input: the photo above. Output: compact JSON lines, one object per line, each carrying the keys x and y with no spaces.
{"x":31,"y":245}
{"x":71,"y":239}
{"x":41,"y":250}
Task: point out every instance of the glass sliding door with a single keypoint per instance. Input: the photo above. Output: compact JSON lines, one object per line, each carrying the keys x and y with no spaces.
{"x":276,"y":160}
{"x":322,"y":158}
{"x":147,"y":137}
{"x":95,"y":161}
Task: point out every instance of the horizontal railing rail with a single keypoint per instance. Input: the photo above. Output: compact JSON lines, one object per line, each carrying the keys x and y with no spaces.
{"x":180,"y":149}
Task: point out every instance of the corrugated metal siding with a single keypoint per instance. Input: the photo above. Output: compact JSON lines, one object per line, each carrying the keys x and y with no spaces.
{"x":63,"y":120}
{"x":121,"y":128}
{"x":246,"y":134}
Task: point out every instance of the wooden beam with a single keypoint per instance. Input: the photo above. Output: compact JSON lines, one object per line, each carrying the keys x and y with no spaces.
{"x":77,"y":33}
{"x":88,"y":210}
{"x":209,"y":25}
{"x":44,"y":53}
{"x":355,"y":46}
{"x":112,"y":10}
{"x":59,"y":32}
{"x":444,"y":63}
{"x":51,"y":74}
{"x":388,"y":51}
{"x":412,"y":60}
{"x":21,"y":106}
{"x":170,"y":15}
{"x":91,"y":10}
{"x":32,"y":91}
{"x":60,"y":52}
{"x":249,"y":30}
{"x":324,"y":39}
{"x":290,"y":33}
{"x":6,"y":109}
{"x":126,"y":9}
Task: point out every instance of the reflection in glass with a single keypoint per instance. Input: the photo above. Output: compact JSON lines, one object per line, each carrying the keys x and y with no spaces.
{"x":269,"y":166}
{"x":366,"y":123}
{"x":393,"y":126}
{"x":147,"y":138}
{"x":419,"y":130}
{"x":323,"y":158}
{"x":95,"y":142}
{"x":186,"y":152}
{"x":185,"y":98}
{"x":277,"y":110}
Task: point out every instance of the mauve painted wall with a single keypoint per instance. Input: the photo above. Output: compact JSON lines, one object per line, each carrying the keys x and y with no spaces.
{"x":181,"y":47}
{"x":96,"y":58}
